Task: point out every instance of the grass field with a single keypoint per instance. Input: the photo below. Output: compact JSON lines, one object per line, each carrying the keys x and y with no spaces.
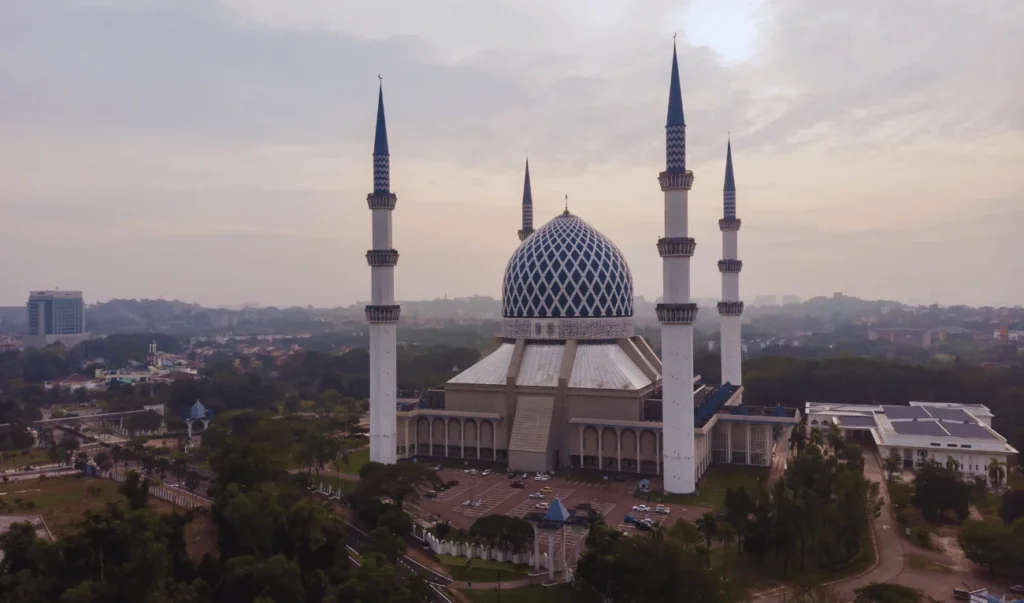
{"x":711,"y":488}
{"x":482,"y":570}
{"x":356,"y":460}
{"x":60,"y":501}
{"x":14,"y":459}
{"x":528,"y":594}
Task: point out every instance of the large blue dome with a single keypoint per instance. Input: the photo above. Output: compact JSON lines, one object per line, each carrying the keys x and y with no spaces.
{"x":567,"y":269}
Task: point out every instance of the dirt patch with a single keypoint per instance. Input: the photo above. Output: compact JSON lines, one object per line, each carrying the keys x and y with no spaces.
{"x":201,"y":536}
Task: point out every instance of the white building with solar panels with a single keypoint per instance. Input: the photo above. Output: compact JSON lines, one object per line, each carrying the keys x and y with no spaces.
{"x":921,"y":430}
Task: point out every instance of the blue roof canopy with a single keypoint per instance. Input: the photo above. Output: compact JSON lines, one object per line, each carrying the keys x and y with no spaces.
{"x":557,"y":512}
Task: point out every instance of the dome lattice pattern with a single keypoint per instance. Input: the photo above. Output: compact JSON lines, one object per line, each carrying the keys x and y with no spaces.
{"x":567,"y":269}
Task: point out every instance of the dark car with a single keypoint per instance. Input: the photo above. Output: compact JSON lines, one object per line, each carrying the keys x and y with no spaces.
{"x":430,"y":494}
{"x":518,"y":484}
{"x":619,"y":478}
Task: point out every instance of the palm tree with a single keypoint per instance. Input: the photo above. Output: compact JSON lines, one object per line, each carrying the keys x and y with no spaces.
{"x":726,"y":534}
{"x":816,"y":440}
{"x":892,"y":464}
{"x":835,"y":440}
{"x":996,"y":472}
{"x":798,"y":437}
{"x":952,"y":464}
{"x":708,"y":526}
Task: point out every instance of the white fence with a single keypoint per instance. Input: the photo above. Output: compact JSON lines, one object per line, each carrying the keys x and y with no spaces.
{"x":171,"y":495}
{"x":479,"y":551}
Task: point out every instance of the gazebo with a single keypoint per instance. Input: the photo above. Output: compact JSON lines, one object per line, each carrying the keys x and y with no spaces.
{"x":554,"y":520}
{"x":198,"y":414}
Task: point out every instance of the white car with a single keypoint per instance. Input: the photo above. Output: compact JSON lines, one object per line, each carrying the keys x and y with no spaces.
{"x":543,"y":505}
{"x":466,"y":470}
{"x":545,"y":478}
{"x":473,"y":472}
{"x":523,"y":476}
{"x":536,"y":495}
{"x":538,"y":478}
{"x":437,"y":467}
{"x":642,"y":509}
{"x":485,"y":472}
{"x":662,"y":510}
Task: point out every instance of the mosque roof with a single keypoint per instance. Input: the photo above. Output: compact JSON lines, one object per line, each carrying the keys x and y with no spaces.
{"x":567,"y":269}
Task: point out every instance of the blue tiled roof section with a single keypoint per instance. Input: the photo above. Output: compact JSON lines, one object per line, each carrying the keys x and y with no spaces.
{"x":198,"y":411}
{"x":557,"y":512}
{"x":567,"y":269}
{"x":675,"y":95}
{"x":714,"y":403}
{"x":380,"y":141}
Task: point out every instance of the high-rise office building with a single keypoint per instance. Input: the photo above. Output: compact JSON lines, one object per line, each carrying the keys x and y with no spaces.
{"x":55,"y":316}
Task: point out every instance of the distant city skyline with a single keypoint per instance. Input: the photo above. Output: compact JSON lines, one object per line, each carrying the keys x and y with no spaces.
{"x":876,"y":144}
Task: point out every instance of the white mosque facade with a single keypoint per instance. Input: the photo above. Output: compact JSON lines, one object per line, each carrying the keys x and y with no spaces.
{"x":568,"y":383}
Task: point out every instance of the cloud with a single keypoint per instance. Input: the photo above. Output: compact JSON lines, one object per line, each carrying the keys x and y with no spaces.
{"x":241,"y":129}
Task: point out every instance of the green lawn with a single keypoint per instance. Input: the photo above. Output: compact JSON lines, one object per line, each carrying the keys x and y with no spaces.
{"x":61,"y":500}
{"x":535,"y":593}
{"x":347,"y":485}
{"x":481,"y":570}
{"x":356,"y":460}
{"x":14,"y":459}
{"x":711,"y":488}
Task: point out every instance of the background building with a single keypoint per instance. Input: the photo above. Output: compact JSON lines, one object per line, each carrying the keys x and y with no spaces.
{"x":55,"y":316}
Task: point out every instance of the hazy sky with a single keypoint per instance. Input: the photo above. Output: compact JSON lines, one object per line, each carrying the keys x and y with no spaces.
{"x":219,"y":150}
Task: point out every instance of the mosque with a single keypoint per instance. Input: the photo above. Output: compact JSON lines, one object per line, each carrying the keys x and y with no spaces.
{"x":569,"y":384}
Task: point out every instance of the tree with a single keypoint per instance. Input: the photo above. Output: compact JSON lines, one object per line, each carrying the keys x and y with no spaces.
{"x":102,"y":460}
{"x":384,"y":543}
{"x":708,"y":528}
{"x":798,"y":437}
{"x":726,"y":535}
{"x":396,"y":521}
{"x":135,"y":489}
{"x":892,"y":465}
{"x":192,"y":481}
{"x":952,"y":464}
{"x":997,"y":546}
{"x":399,"y":482}
{"x":503,"y":531}
{"x":996,"y":472}
{"x":1012,"y":506}
{"x":938,"y":489}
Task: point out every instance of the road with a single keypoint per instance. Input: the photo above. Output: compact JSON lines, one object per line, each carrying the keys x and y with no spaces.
{"x":408,"y":567}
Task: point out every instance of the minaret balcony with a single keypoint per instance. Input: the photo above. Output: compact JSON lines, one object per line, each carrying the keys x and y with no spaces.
{"x":730,"y":265}
{"x":683,"y":314}
{"x":525,"y":233}
{"x":382,"y":257}
{"x":381,"y":200}
{"x":730,"y":308}
{"x":676,"y":247}
{"x":382,"y":314}
{"x":671,"y":181}
{"x":729,"y":224}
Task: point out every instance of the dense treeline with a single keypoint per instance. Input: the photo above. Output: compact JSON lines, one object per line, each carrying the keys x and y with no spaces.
{"x":790,"y":381}
{"x":275,"y":543}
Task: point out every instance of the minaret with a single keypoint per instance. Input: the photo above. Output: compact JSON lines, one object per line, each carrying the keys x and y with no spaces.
{"x":676,"y":312}
{"x":527,"y":229}
{"x":382,"y":313}
{"x":730,"y":308}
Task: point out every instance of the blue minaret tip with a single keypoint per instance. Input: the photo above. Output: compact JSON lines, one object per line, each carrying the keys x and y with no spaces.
{"x":730,"y":182}
{"x":527,"y":192}
{"x":675,"y":95}
{"x":380,"y":141}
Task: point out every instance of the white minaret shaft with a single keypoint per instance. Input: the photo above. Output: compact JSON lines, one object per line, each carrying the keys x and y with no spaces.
{"x":676,"y":312}
{"x":527,"y":229}
{"x":730,"y":309}
{"x":383,"y":312}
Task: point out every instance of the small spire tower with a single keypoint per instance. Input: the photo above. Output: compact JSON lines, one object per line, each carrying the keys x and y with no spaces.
{"x":383,"y":312}
{"x":730,"y":309}
{"x":527,"y":229}
{"x":676,"y":312}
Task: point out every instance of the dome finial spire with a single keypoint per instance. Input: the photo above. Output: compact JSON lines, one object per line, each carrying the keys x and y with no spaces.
{"x":566,"y":212}
{"x":675,"y":122}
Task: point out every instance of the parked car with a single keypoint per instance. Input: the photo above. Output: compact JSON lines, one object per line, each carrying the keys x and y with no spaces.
{"x":466,"y":470}
{"x":629,"y":519}
{"x":523,"y":476}
{"x":537,"y":478}
{"x":473,"y":472}
{"x":643,"y":526}
{"x":545,"y":478}
{"x":641,"y":509}
{"x":543,"y":505}
{"x":511,"y":475}
{"x":536,"y":495}
{"x":546,"y":490}
{"x":430,"y":494}
{"x":662,"y":510}
{"x":437,"y":467}
{"x":619,"y":478}
{"x":485,"y":472}
{"x":518,"y":484}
